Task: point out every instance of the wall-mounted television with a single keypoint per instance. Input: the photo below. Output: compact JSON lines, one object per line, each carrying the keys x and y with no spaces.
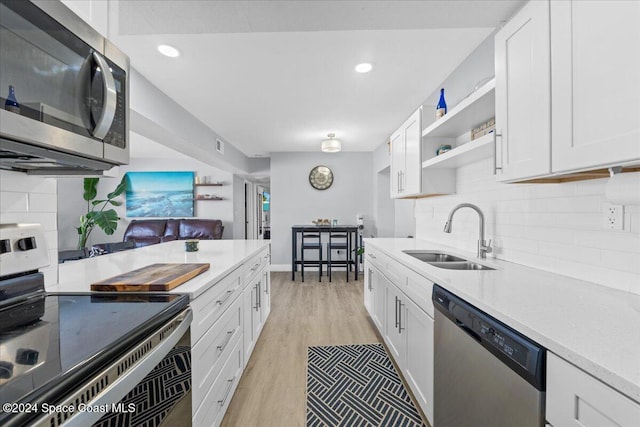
{"x":266,"y":201}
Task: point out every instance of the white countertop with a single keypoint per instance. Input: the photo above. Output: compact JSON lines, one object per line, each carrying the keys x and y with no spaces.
{"x":223,"y":255}
{"x":594,"y":327}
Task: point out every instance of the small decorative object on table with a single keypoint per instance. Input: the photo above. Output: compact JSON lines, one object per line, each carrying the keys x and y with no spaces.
{"x":334,"y":222}
{"x":441,"y":108}
{"x":11,"y":104}
{"x":443,"y":149}
{"x":191,"y":245}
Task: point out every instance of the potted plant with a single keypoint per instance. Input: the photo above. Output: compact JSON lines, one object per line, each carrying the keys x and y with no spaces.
{"x":97,"y":214}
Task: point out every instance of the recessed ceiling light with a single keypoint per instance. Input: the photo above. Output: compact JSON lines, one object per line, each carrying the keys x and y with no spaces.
{"x":365,"y":67}
{"x":169,"y":51}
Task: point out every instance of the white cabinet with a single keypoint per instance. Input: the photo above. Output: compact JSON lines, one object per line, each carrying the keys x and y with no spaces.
{"x":93,"y":12}
{"x":254,"y":310}
{"x":418,"y":369}
{"x":595,"y":73}
{"x":523,"y":94}
{"x":406,"y":157}
{"x":567,"y":88}
{"x":406,"y":326}
{"x":576,"y":399}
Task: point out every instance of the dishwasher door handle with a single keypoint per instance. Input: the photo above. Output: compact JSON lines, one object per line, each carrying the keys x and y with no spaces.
{"x":468,"y":330}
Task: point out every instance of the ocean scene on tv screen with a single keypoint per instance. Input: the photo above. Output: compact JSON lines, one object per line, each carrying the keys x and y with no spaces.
{"x":160,"y":194}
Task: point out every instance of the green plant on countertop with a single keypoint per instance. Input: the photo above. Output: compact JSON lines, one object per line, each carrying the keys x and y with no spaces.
{"x":97,"y":214}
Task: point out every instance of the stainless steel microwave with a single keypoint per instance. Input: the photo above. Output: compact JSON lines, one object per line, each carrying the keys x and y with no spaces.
{"x":64,"y":92}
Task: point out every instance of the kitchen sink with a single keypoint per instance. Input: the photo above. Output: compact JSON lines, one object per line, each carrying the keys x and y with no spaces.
{"x":445,"y":260}
{"x":430,"y":256}
{"x":464,"y":265}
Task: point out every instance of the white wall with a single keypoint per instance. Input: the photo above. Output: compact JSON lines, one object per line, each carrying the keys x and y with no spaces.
{"x":71,"y":204}
{"x":294,"y":201}
{"x":31,"y":199}
{"x":553,"y":227}
{"x":238,"y":207}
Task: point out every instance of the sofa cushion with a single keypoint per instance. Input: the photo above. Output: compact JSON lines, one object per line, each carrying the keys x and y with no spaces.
{"x":144,"y":241}
{"x":145,"y":228}
{"x":205,"y":229}
{"x":171,"y":232}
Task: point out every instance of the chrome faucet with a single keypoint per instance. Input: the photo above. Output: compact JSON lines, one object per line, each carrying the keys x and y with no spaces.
{"x":483,"y":247}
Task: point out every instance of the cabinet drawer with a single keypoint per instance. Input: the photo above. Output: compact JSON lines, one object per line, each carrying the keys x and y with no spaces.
{"x":576,"y":399}
{"x":389,"y":267}
{"x":216,"y":401}
{"x":255,"y":264}
{"x":419,"y":290}
{"x":213,"y":349}
{"x":211,"y":304}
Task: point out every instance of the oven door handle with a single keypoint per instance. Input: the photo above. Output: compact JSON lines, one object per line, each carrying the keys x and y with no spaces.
{"x":135,"y":369}
{"x":109,"y":100}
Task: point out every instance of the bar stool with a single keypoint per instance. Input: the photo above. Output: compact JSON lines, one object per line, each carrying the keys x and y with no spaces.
{"x":311,"y":241}
{"x":339,"y":241}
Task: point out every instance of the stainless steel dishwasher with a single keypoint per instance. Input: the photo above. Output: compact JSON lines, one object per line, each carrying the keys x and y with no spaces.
{"x":486,"y":373}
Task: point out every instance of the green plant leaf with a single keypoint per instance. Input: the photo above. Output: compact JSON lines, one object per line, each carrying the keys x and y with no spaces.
{"x":119,"y":189}
{"x":97,"y":202}
{"x":107,"y":220}
{"x":115,"y":203}
{"x":90,"y":188}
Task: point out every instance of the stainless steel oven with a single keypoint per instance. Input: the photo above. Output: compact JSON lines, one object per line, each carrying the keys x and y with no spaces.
{"x":103,"y":359}
{"x":64,"y":91}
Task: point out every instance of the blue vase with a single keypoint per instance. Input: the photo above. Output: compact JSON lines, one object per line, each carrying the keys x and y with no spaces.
{"x":441,"y":108}
{"x":11,"y":104}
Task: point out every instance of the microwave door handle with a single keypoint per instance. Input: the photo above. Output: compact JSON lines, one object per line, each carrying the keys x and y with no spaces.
{"x":109,"y":100}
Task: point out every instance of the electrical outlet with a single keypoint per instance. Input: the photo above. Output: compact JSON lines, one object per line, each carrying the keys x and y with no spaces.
{"x":613,"y":216}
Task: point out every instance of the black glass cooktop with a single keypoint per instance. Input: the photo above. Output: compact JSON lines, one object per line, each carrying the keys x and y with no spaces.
{"x":49,"y":342}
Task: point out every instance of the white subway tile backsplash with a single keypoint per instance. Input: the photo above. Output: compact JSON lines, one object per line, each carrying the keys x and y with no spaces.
{"x":14,"y":202}
{"x":554,"y":227}
{"x":20,"y":182}
{"x":40,"y":202}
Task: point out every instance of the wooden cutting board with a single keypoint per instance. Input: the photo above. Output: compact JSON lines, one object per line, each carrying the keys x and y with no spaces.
{"x":152,"y":278}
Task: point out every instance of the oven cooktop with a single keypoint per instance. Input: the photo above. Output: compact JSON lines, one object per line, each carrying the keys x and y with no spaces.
{"x":51,"y":342}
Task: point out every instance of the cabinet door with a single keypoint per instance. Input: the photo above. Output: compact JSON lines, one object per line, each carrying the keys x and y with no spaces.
{"x":265,"y":302}
{"x":576,"y":399}
{"x":523,"y":94}
{"x":411,"y":178}
{"x":368,"y":288}
{"x":397,"y":162}
{"x":379,"y":300}
{"x":395,"y":323}
{"x":419,"y":355}
{"x":250,"y":319}
{"x":596,"y":83}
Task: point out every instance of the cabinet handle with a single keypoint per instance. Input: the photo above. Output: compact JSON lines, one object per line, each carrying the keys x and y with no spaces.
{"x":400,"y":328}
{"x":254,"y":268}
{"x":396,"y":312}
{"x":222,"y":346}
{"x":402,"y":181}
{"x":495,"y":151}
{"x":226,"y":394}
{"x":258,"y":294}
{"x":223,"y":300}
{"x":370,"y":279}
{"x":399,"y":189}
{"x":255,"y":307}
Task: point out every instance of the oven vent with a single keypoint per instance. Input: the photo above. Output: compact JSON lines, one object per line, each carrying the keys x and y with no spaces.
{"x":134,"y":357}
{"x":168,"y":329}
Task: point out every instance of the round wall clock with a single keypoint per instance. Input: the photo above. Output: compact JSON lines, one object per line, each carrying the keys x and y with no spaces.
{"x":321,"y":177}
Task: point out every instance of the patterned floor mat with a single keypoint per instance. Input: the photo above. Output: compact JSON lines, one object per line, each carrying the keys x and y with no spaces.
{"x":356,"y":385}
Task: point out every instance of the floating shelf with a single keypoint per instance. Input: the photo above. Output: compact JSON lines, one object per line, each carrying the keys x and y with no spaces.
{"x":209,"y":185}
{"x":212,"y":199}
{"x":469,"y":113}
{"x":470,"y":152}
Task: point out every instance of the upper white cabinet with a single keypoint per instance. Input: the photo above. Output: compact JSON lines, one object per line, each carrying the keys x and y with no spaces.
{"x":93,"y":12}
{"x":406,"y":157}
{"x":595,"y":73}
{"x":523,"y":94}
{"x":567,"y":88}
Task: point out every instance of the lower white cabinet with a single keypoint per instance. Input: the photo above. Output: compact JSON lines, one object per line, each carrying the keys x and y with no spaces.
{"x":418,"y":363}
{"x":227,"y":322}
{"x":407,"y":327}
{"x":254,"y":311}
{"x":217,"y":399}
{"x":576,"y":399}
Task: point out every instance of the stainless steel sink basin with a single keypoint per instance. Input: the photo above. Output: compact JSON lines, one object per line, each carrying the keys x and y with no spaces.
{"x":445,"y":260}
{"x":464,"y":265}
{"x":431,"y":256}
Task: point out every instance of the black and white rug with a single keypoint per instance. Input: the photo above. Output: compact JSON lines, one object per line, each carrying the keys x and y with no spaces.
{"x":156,"y":394}
{"x":356,"y":385}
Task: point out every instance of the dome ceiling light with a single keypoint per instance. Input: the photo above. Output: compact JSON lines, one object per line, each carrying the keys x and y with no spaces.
{"x":331,"y":145}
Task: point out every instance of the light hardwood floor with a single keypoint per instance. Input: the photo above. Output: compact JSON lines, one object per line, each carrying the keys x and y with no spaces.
{"x":271,"y":391}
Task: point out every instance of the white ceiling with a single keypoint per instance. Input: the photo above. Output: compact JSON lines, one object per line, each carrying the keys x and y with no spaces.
{"x":279,"y":75}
